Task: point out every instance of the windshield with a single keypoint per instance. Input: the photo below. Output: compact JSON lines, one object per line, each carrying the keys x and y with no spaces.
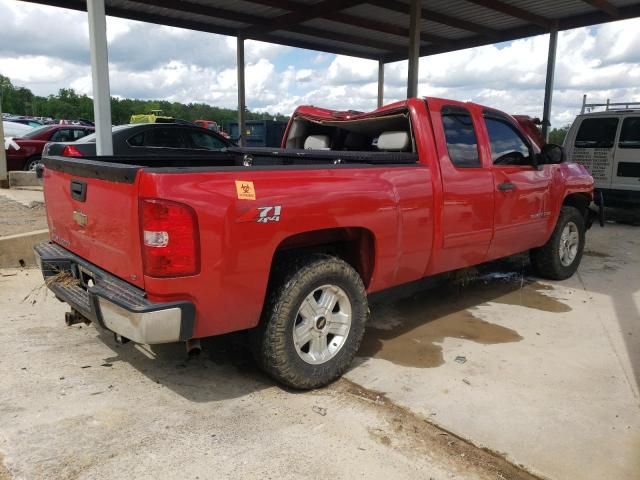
{"x":35,"y":132}
{"x":92,"y":137}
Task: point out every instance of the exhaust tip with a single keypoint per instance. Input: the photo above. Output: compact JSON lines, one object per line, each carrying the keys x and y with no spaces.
{"x":193,"y":347}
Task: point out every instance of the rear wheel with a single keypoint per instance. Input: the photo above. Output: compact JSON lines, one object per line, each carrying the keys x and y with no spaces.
{"x":560,"y":257}
{"x":32,"y":163}
{"x":313,"y":322}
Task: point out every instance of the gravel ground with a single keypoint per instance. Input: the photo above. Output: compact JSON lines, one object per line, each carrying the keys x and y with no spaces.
{"x":16,"y":218}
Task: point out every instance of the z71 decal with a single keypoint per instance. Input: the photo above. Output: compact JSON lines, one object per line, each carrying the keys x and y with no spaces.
{"x":262,"y":214}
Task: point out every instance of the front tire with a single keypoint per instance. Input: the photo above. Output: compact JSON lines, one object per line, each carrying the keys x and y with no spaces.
{"x":313,"y":322}
{"x":560,"y":257}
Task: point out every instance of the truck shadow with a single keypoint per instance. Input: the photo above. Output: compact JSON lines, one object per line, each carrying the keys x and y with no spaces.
{"x":224,"y":369}
{"x":408,"y":326}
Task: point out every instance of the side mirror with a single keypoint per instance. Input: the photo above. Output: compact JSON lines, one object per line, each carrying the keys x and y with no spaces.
{"x":552,"y":154}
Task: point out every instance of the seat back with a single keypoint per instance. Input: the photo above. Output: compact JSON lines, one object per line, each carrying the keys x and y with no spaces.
{"x":317,"y":142}
{"x":394,"y":141}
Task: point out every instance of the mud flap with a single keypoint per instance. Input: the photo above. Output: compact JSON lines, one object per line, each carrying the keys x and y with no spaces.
{"x":596,"y":211}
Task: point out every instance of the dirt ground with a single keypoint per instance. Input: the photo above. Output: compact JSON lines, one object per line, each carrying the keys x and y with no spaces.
{"x":17,"y":218}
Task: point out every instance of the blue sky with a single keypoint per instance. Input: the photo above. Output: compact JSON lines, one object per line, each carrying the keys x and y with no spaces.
{"x":180,"y":65}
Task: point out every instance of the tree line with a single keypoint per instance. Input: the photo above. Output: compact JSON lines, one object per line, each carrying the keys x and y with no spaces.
{"x":69,"y":105}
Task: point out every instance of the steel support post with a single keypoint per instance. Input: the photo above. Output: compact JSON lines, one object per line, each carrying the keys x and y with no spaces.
{"x":241,"y":92}
{"x":414,"y":48}
{"x":100,"y":76}
{"x":548,"y":86}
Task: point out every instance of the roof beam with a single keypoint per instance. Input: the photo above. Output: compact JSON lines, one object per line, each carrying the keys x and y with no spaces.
{"x":515,"y":12}
{"x":605,"y":6}
{"x":187,"y":6}
{"x":374,"y":25}
{"x":306,"y":13}
{"x":210,"y":28}
{"x":356,"y":21}
{"x":269,"y":26}
{"x":437,"y":17}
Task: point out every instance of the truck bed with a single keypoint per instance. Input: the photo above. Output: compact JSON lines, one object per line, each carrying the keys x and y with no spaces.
{"x":123,"y":168}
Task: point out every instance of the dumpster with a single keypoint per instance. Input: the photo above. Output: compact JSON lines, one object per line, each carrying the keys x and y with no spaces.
{"x":260,"y":133}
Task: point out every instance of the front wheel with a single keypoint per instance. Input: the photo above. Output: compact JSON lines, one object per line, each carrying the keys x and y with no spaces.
{"x":560,"y":257}
{"x":313,"y":322}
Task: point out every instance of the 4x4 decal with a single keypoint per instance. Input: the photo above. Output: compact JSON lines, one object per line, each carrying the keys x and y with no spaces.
{"x":262,"y":214}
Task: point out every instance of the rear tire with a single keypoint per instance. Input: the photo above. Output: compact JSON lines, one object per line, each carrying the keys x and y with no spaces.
{"x":313,"y":322}
{"x":560,"y":257}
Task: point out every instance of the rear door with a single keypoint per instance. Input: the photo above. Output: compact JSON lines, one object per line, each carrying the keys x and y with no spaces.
{"x":521,"y":208}
{"x":594,"y":147}
{"x":626,"y":166}
{"x":467,"y":185}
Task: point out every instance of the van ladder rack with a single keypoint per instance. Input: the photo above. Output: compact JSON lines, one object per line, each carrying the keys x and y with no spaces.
{"x":621,"y":105}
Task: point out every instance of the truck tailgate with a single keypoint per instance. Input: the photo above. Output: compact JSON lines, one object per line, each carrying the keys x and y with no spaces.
{"x":93,"y":212}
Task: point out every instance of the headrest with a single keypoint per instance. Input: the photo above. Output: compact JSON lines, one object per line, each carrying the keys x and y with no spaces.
{"x":317,"y":142}
{"x":393,"y":141}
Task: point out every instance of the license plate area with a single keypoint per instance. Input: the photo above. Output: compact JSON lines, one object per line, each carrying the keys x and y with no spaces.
{"x":84,"y":276}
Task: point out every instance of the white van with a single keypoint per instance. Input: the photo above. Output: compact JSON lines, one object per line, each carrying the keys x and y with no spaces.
{"x":607,"y":143}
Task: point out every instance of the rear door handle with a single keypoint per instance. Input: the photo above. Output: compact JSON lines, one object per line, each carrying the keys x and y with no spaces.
{"x":506,"y":186}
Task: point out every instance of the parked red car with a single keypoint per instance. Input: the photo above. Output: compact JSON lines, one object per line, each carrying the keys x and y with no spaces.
{"x":27,"y":156}
{"x":288,"y":243}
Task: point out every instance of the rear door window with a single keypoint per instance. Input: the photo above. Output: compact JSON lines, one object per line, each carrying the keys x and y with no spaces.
{"x":204,"y":141}
{"x":460,"y":135}
{"x":630,"y":133}
{"x":62,"y":135}
{"x":597,"y":133}
{"x":78,"y":133}
{"x":165,"y":138}
{"x":136,"y":140}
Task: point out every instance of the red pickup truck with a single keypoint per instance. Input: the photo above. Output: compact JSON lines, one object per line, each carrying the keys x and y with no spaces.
{"x":287,"y":243}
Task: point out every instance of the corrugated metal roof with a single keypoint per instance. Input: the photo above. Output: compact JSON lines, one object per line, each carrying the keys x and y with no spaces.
{"x":376,"y":29}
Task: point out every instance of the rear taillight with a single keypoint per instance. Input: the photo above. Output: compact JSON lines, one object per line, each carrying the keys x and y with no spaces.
{"x":71,"y":151}
{"x":170,"y":238}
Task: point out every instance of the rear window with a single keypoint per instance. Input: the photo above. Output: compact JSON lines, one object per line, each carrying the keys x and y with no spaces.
{"x":461,"y":137}
{"x":597,"y":133}
{"x":630,"y":133}
{"x":36,"y":131}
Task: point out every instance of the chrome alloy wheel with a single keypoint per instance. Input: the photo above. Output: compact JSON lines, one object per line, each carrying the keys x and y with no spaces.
{"x":569,"y":244}
{"x":322,"y":324}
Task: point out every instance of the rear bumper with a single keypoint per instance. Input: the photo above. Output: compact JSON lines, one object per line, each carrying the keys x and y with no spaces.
{"x":111,"y":302}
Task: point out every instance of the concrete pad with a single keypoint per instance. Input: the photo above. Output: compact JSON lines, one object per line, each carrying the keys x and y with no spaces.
{"x":24,"y":179}
{"x":17,"y":250}
{"x":28,"y":196}
{"x":545,"y":372}
{"x":74,"y":404}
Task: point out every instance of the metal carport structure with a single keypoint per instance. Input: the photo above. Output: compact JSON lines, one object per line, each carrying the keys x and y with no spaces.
{"x":382,"y":30}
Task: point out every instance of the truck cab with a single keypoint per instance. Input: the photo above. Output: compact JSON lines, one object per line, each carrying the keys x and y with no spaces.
{"x":607,"y":143}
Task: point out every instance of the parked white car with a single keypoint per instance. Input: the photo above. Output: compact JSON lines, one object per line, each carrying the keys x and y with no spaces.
{"x":12,"y":129}
{"x":607,"y":143}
